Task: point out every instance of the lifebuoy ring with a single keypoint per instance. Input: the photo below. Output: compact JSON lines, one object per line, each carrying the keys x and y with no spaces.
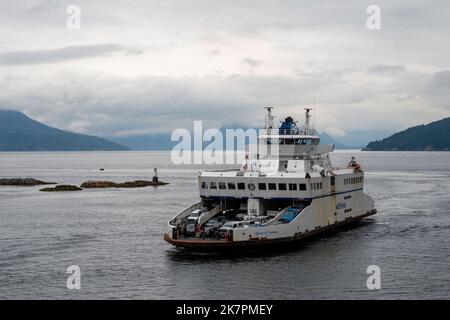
{"x":251,"y":186}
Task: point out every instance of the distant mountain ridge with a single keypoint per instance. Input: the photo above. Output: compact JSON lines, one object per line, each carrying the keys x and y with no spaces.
{"x":162,"y":141}
{"x":434,"y":136}
{"x":358,"y":139}
{"x":18,"y":132}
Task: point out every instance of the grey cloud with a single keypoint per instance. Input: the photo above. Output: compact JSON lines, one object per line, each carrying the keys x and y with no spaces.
{"x":382,"y":68}
{"x":64,"y":54}
{"x":438,"y":89}
{"x":332,"y":34}
{"x":335,"y":74}
{"x":441,"y":79}
{"x":107,"y":105}
{"x":214,"y":52}
{"x":252,"y":63}
{"x":251,"y":17}
{"x":46,"y":5}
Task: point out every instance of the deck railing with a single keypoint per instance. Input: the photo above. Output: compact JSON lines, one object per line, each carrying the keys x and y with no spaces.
{"x":208,"y":215}
{"x":184,"y":213}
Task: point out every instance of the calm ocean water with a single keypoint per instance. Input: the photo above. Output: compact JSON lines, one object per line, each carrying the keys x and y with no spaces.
{"x":116,"y":236}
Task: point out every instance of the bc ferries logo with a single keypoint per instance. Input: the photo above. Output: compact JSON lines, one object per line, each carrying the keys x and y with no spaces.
{"x":341,"y":205}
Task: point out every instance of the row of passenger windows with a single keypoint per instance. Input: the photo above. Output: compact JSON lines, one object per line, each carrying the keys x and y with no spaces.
{"x":316,"y":186}
{"x":260,"y":186}
{"x":353,"y":180}
{"x":293,"y":141}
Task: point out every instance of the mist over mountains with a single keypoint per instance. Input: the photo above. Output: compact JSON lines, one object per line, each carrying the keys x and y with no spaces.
{"x":162,"y":141}
{"x":18,"y":132}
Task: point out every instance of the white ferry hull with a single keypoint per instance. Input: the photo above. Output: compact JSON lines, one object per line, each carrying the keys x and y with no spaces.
{"x":221,"y":244}
{"x":321,"y":215}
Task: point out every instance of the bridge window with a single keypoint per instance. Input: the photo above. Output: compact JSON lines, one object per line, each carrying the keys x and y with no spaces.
{"x":231,"y":185}
{"x":282,"y":186}
{"x":241,"y":186}
{"x":204,"y":185}
{"x":272,"y":186}
{"x":261,"y":186}
{"x":212,"y":185}
{"x":292,"y":186}
{"x":302,"y":186}
{"x":222,"y":185}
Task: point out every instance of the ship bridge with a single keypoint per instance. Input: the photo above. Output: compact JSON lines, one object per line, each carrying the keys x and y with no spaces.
{"x":289,"y":141}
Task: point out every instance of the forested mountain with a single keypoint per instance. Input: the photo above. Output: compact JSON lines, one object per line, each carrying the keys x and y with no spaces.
{"x":433,"y":136}
{"x":21,"y":133}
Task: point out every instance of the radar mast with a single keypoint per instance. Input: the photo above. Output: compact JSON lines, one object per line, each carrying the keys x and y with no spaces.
{"x":269,"y":119}
{"x":308,"y":121}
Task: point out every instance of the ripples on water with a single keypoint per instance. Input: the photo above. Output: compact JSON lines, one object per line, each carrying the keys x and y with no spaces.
{"x":115,"y":236}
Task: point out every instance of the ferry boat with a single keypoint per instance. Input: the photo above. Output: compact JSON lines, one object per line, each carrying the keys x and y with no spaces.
{"x":290,"y":190}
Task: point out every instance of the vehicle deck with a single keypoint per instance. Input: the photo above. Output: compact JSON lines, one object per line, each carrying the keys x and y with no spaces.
{"x":193,"y":242}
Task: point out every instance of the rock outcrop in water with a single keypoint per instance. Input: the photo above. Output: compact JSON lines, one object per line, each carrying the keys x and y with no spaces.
{"x":140,"y":184}
{"x":23,"y":182}
{"x":128,"y":184}
{"x":98,"y":184}
{"x":62,"y":187}
{"x":85,"y":185}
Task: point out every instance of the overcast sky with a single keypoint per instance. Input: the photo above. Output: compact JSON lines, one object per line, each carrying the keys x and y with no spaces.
{"x":142,"y":66}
